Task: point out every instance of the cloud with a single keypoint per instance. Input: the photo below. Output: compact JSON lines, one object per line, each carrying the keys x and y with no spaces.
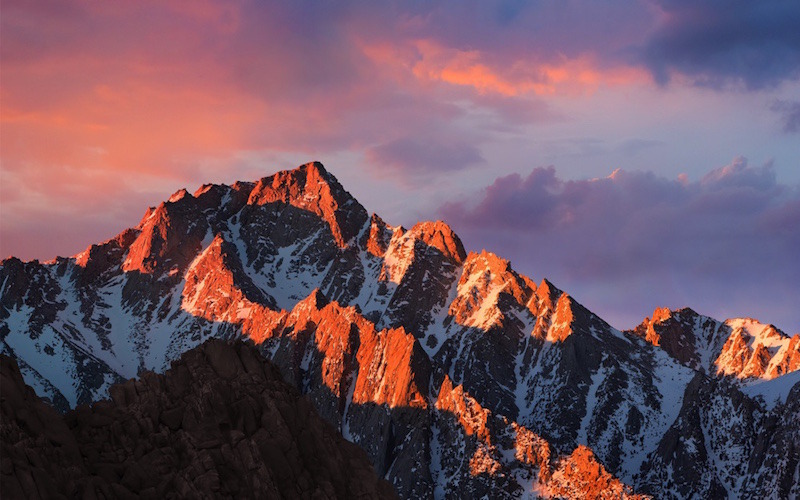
{"x":637,"y":146}
{"x":512,"y":73}
{"x":116,"y":99}
{"x":424,"y":154}
{"x":790,"y":115}
{"x":716,"y":43}
{"x":632,"y":241}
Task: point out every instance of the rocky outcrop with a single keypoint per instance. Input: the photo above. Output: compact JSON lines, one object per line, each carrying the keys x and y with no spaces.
{"x":508,"y":460}
{"x":709,"y":454}
{"x":741,"y":348}
{"x":220,"y":423}
{"x":580,"y":475}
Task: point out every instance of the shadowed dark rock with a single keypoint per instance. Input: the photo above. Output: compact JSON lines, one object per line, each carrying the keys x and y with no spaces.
{"x":220,"y":423}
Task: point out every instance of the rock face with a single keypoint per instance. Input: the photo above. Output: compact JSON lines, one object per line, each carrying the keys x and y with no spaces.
{"x":738,"y":348}
{"x":407,"y":344}
{"x":220,"y":423}
{"x":506,"y":459}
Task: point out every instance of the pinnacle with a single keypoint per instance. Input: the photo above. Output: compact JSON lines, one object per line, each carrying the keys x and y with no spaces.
{"x":315,"y":167}
{"x":442,"y":237}
{"x":316,"y":299}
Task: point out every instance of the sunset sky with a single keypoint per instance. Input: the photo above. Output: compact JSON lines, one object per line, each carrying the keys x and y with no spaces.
{"x":638,"y":153}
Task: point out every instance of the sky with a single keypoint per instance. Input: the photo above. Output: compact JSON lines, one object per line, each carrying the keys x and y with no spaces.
{"x":638,"y":154}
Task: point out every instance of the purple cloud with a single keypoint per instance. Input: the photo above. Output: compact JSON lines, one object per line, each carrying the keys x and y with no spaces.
{"x":790,"y":115}
{"x":718,"y":42}
{"x":411,"y":154}
{"x":725,"y":245}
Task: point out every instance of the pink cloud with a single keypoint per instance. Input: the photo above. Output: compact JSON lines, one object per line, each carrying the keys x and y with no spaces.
{"x":481,"y":72}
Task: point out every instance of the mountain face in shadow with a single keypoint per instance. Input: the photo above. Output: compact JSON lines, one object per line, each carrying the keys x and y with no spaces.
{"x":458,"y":376}
{"x":219,"y":423}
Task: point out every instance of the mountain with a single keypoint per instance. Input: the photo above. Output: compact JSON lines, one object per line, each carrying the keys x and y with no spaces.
{"x":742,"y":348}
{"x":219,"y":423}
{"x":457,"y":375}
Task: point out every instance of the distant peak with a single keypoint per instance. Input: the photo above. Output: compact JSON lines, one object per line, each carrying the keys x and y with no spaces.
{"x":661,"y":314}
{"x":205,"y":188}
{"x":547,"y":290}
{"x":440,"y":236}
{"x":308,"y":177}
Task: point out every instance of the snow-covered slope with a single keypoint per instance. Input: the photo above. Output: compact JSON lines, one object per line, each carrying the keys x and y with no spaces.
{"x":374,"y":321}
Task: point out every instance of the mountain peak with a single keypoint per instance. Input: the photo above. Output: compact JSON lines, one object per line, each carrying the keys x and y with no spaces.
{"x":309,"y":180}
{"x":178,"y":195}
{"x":312,"y":188}
{"x":661,"y":314}
{"x":441,"y":237}
{"x":316,"y":167}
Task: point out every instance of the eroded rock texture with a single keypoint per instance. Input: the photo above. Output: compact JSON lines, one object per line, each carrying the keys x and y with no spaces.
{"x":221,"y":423}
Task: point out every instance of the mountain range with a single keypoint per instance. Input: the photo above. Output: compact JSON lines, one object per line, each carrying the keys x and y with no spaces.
{"x":458,"y":376}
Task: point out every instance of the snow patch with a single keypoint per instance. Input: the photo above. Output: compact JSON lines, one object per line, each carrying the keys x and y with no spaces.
{"x":591,"y":401}
{"x":773,"y":392}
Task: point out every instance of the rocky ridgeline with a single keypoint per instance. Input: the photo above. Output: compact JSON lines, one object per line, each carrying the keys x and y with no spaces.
{"x":386,"y":329}
{"x":738,"y":348}
{"x":221,"y":423}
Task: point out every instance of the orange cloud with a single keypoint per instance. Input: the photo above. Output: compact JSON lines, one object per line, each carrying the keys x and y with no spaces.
{"x":473,"y":69}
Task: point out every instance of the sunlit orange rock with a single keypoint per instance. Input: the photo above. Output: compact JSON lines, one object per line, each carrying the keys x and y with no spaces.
{"x":787,"y":360}
{"x":378,"y":238}
{"x":742,"y":348}
{"x":757,"y":365}
{"x":491,"y":440}
{"x":554,"y":312}
{"x":483,"y":462}
{"x":472,"y":417}
{"x":735,"y":355}
{"x":169,"y":236}
{"x":211,"y":292}
{"x":532,"y":449}
{"x":393,"y":369}
{"x":441,"y":237}
{"x":580,"y":475}
{"x":484,"y":278}
{"x":311,"y":188}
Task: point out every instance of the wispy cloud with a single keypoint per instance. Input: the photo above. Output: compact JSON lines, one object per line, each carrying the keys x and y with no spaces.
{"x":789,"y":112}
{"x":424,"y":154}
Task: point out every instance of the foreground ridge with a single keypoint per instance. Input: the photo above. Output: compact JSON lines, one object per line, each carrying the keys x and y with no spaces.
{"x":221,"y":423}
{"x":372,"y":321}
